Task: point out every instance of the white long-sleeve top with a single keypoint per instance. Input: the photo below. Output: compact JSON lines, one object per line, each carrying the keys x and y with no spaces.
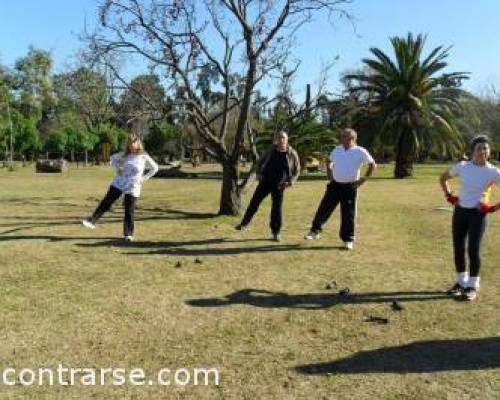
{"x":130,"y":171}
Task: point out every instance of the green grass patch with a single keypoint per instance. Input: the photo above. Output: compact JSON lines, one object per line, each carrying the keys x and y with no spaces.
{"x":193,"y":292}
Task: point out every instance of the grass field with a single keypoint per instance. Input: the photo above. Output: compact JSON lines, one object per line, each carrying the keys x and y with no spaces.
{"x":193,"y":292}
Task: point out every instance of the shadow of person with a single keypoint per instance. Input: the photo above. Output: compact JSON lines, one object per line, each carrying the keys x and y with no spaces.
{"x":150,"y":244}
{"x":267,"y":299}
{"x":208,"y":247}
{"x":416,"y":357}
{"x":227,"y":251}
{"x":311,"y":301}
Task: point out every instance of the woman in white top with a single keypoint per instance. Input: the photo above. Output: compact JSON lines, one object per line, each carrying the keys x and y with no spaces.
{"x":469,"y":217}
{"x":130,"y":166}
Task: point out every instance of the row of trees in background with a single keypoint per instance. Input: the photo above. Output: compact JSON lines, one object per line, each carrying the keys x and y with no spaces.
{"x":205,"y":63}
{"x":78,"y":113}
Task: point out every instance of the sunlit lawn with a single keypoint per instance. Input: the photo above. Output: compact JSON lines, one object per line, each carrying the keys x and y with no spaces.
{"x":193,"y":292}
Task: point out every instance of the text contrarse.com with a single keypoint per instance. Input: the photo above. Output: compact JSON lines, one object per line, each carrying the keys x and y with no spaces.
{"x":67,"y":376}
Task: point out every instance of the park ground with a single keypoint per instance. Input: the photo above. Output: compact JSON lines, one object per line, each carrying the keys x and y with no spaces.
{"x":193,"y":292}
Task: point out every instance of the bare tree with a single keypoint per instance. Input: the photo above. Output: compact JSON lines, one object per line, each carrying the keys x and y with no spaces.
{"x":239,"y":42}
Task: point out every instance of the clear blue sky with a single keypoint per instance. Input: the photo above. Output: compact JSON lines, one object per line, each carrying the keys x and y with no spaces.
{"x":471,"y":27}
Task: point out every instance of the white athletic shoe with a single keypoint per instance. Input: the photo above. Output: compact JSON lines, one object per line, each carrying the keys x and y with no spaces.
{"x":276,"y":237}
{"x":87,"y":223}
{"x":469,"y":294}
{"x":311,"y":235}
{"x":129,"y":238}
{"x":348,"y":245}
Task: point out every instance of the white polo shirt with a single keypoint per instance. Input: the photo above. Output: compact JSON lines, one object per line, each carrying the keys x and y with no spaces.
{"x":476,"y":180}
{"x":347,"y":163}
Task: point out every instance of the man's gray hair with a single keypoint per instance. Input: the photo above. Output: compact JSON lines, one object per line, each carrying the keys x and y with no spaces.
{"x":351,"y":131}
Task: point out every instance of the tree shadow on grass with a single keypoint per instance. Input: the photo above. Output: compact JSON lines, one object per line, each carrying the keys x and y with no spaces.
{"x":322,"y":177}
{"x":31,"y":225}
{"x":51,"y":238}
{"x":24,"y":200}
{"x":312,"y":301}
{"x":217,"y":175}
{"x":172,"y":213}
{"x":416,"y":357}
{"x":114,"y":216}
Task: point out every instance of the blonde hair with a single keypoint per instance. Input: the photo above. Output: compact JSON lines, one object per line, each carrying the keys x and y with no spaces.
{"x":133,"y":138}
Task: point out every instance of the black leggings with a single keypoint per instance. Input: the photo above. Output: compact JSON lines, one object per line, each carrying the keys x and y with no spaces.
{"x":468,"y":223}
{"x":106,"y":203}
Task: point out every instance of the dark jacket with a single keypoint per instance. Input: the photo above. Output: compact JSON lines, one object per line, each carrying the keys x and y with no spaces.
{"x":293,"y":164}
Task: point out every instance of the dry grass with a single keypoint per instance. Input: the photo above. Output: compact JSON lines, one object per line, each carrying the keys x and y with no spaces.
{"x":257,"y":310}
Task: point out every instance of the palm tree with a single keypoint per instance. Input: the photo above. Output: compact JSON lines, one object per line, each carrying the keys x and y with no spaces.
{"x":414,"y":108}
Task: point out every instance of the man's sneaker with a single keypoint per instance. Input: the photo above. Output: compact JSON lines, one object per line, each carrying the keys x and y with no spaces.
{"x":469,"y":294}
{"x":87,"y":223}
{"x":129,"y":238}
{"x":348,"y":245}
{"x":311,"y":235}
{"x":455,"y":290}
{"x":241,"y":228}
{"x":276,"y":237}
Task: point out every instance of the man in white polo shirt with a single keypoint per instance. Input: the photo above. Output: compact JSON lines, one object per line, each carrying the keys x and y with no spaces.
{"x":344,"y":173}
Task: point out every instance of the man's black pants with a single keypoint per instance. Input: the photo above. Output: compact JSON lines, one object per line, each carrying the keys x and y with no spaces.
{"x":112,"y":195}
{"x":262,"y":191}
{"x":345,"y":194}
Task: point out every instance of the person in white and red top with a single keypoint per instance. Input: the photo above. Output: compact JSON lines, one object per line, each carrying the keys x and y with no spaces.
{"x":346,"y":161}
{"x":469,"y":216}
{"x":133,"y":167}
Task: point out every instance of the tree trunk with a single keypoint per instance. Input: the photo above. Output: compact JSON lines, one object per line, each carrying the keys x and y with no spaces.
{"x":405,"y":155}
{"x":307,"y":114}
{"x":230,"y":201}
{"x":403,"y":167}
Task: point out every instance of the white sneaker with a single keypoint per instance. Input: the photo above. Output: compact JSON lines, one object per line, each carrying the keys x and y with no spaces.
{"x":276,"y":237}
{"x":87,"y":223}
{"x":129,"y":238}
{"x":312,"y":235}
{"x":348,"y":245}
{"x":469,"y":294}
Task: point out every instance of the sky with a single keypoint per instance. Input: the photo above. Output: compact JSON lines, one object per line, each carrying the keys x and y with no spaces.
{"x":471,"y":27}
